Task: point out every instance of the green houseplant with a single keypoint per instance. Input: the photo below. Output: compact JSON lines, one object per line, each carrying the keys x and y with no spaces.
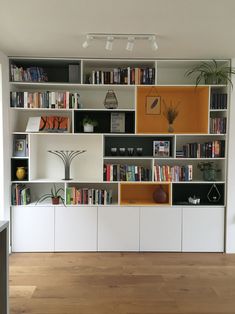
{"x":53,"y":195}
{"x":209,"y":170}
{"x":89,"y":124}
{"x":211,"y":73}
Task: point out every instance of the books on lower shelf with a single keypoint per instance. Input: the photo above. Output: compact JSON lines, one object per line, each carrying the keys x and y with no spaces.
{"x":213,"y":149}
{"x":218,"y":125}
{"x":127,"y":75}
{"x":116,"y":172}
{"x":30,"y":74}
{"x":219,"y":101}
{"x":20,"y":194}
{"x":173,"y":173}
{"x":87,"y":196}
{"x":44,"y":100}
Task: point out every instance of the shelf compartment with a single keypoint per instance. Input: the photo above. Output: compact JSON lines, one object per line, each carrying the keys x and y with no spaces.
{"x":20,"y":117}
{"x":85,"y":167}
{"x":57,"y":70}
{"x":134,"y":142}
{"x":142,"y":193}
{"x":103,"y":119}
{"x":37,"y":190}
{"x":84,"y":196}
{"x":127,"y":170}
{"x":109,"y":65}
{"x":192,"y":104}
{"x":196,"y":174}
{"x":181,"y":193}
{"x":20,"y":146}
{"x":19,"y":162}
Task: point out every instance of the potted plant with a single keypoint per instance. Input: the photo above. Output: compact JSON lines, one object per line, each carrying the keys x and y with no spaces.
{"x":211,"y":73}
{"x":170,"y":113}
{"x":89,"y":124}
{"x":53,"y":195}
{"x":209,"y":170}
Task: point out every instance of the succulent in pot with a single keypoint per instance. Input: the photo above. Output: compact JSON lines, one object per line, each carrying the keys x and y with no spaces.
{"x":89,"y":124}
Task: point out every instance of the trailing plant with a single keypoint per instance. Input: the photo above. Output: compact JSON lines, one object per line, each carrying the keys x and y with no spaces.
{"x":211,"y":73}
{"x":54,"y":194}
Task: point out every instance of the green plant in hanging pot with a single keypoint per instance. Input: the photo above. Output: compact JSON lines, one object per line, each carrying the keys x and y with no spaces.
{"x":54,"y":195}
{"x":209,"y":170}
{"x":211,"y":73}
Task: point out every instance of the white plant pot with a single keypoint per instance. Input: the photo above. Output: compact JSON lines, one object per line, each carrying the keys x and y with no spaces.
{"x":88,"y":128}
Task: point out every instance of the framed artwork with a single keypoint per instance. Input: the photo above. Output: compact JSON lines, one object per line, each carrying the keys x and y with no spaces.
{"x":153,"y":105}
{"x":19,"y":148}
{"x":117,"y":122}
{"x":161,"y":148}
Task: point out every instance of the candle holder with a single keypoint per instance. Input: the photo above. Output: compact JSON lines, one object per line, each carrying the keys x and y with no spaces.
{"x":67,"y":157}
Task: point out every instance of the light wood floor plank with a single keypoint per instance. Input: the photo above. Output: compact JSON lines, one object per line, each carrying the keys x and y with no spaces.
{"x":122,"y":283}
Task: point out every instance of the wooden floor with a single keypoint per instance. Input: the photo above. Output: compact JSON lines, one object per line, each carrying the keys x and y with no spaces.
{"x":133,"y":283}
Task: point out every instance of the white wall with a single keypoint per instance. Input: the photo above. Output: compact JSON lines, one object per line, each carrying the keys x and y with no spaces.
{"x":5,"y":140}
{"x":230,"y":219}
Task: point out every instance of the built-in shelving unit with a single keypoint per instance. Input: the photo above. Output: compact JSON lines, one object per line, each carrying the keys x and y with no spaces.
{"x":122,"y":165}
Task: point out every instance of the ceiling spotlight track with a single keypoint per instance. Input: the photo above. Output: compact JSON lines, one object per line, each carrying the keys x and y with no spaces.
{"x":109,"y":43}
{"x":130,"y":38}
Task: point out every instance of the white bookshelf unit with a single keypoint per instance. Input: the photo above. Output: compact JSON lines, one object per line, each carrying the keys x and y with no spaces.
{"x":134,"y":220}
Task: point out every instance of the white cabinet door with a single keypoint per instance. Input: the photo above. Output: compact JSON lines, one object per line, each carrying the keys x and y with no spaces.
{"x":203,"y":229}
{"x":32,"y":229}
{"x":160,"y":229}
{"x":118,"y":228}
{"x":76,"y":228}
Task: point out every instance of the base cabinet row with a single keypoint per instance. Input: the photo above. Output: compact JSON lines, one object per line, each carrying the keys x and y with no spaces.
{"x":112,"y":228}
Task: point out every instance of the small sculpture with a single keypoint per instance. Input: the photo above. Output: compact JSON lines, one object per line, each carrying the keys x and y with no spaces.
{"x":66,"y":156}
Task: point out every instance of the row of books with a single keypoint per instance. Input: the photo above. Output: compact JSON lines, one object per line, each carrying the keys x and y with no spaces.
{"x":213,"y":149}
{"x":87,"y":196}
{"x":218,"y":125}
{"x":219,"y":101}
{"x":20,"y":194}
{"x":116,"y":172}
{"x":124,"y":76}
{"x":47,"y":99}
{"x":30,"y":74}
{"x":173,"y":173}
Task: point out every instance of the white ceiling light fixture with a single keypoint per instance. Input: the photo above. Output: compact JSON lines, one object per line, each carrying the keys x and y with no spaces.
{"x":87,"y":42}
{"x":109,"y":43}
{"x":130,"y":43}
{"x":154,"y":44}
{"x":129,"y":38}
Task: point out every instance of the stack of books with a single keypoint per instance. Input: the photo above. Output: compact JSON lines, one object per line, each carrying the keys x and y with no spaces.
{"x":219,"y":101}
{"x":31,"y":74}
{"x":20,"y":194}
{"x":87,"y":196}
{"x":218,"y":125}
{"x":116,"y":172}
{"x":173,"y":173}
{"x":213,"y":149}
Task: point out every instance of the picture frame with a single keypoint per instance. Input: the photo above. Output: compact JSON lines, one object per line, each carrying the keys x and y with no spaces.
{"x":19,"y":149}
{"x":161,"y":149}
{"x":117,"y":122}
{"x":153,"y":105}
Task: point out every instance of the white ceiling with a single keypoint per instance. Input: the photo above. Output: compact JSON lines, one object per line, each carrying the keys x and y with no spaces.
{"x":186,"y":28}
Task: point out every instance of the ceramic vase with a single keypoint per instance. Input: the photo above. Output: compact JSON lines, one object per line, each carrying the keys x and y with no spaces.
{"x":20,"y":173}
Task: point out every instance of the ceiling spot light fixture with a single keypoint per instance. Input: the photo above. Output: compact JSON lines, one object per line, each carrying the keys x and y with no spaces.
{"x":154,"y":44}
{"x":109,"y":43}
{"x":130,"y":39}
{"x":130,"y":43}
{"x":87,"y":42}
